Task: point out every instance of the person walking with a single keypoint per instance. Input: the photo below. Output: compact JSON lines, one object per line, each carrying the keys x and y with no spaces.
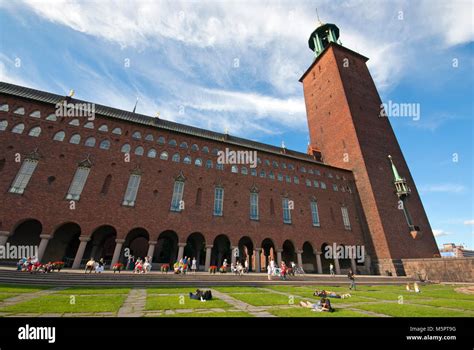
{"x":331,"y":270}
{"x":351,"y":277}
{"x":194,"y":266}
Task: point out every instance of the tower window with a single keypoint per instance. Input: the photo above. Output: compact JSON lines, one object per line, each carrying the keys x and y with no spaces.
{"x":315,"y":213}
{"x":132,"y":190}
{"x":218,"y":201}
{"x":78,"y":182}
{"x":286,"y":211}
{"x":345,"y":218}
{"x":177,"y":198}
{"x":254,"y":206}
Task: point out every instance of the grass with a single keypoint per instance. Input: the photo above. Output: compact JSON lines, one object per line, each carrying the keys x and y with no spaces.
{"x":408,"y":310}
{"x":173,"y":302}
{"x":433,"y":301}
{"x":93,"y":290}
{"x":264,"y":299}
{"x":210,"y":314}
{"x":20,"y":289}
{"x":62,"y":304}
{"x":303,"y":312}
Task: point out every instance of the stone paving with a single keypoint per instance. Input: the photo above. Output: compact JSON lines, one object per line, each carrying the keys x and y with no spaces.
{"x":134,"y":305}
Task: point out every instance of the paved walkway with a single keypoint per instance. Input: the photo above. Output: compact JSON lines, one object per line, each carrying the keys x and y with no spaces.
{"x":134,"y":305}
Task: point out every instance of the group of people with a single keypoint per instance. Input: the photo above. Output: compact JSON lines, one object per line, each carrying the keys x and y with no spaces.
{"x":96,"y":266}
{"x":184,"y":265}
{"x":238,"y":268}
{"x":32,"y":264}
{"x":283,"y":271}
{"x":142,"y":265}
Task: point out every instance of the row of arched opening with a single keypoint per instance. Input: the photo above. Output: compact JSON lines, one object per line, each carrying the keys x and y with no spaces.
{"x":65,"y":243}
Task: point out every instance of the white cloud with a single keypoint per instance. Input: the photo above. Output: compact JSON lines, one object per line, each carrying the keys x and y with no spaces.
{"x":439,"y":233}
{"x":469,"y":222}
{"x":443,"y":188}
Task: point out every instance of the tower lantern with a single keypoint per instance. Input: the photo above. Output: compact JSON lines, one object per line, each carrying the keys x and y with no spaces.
{"x":322,"y":36}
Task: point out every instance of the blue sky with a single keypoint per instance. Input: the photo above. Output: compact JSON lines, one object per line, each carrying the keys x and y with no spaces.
{"x":235,"y":65}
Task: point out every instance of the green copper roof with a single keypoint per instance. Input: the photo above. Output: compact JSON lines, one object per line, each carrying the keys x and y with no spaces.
{"x":396,"y":175}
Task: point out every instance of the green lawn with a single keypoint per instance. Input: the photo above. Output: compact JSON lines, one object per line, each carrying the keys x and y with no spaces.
{"x":173,"y":302}
{"x":262,"y":299}
{"x":93,"y":290}
{"x":279,"y":300}
{"x":303,"y":312}
{"x":62,"y":304}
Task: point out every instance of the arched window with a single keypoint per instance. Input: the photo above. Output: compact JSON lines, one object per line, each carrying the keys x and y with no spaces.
{"x":151,"y":153}
{"x":4,"y":107}
{"x":187,"y":160}
{"x":244,"y":171}
{"x":74,"y":122}
{"x":3,"y":125}
{"x":18,"y":129}
{"x":90,"y":142}
{"x":262,"y":173}
{"x":105,"y":144}
{"x":149,"y":137}
{"x":172,"y":143}
{"x":35,"y":132}
{"x":161,"y":140}
{"x":176,"y":157}
{"x":19,"y":111}
{"x":198,"y":162}
{"x":205,"y":149}
{"x":275,"y":164}
{"x":194,"y":148}
{"x":271,"y":175}
{"x":52,"y":117}
{"x":209,"y":164}
{"x":164,"y":155}
{"x":75,"y":139}
{"x":35,"y":114}
{"x":59,"y":136}
{"x":139,"y":151}
{"x":117,"y":131}
{"x":136,"y":135}
{"x":183,"y":145}
{"x":215,"y":151}
{"x":234,"y":169}
{"x":89,"y":125}
{"x":125,"y":148}
{"x":103,"y":128}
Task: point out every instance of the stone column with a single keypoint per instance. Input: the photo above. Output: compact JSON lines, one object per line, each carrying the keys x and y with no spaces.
{"x":256,"y":254}
{"x":233,"y":258}
{"x":319,"y":266}
{"x":117,"y":251}
{"x":299,"y":258}
{"x":336,"y":266}
{"x":151,"y":249}
{"x":353,"y":266}
{"x":208,"y":257}
{"x":180,"y":251}
{"x":279,"y":259}
{"x":80,"y":252}
{"x":368,"y":264}
{"x":42,"y":246}
{"x":4,"y":237}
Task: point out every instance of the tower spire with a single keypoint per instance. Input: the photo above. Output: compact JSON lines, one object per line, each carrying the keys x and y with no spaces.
{"x":401,"y":186}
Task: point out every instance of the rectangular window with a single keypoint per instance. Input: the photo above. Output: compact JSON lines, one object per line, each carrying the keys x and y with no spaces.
{"x":77,"y":184}
{"x":314,"y":213}
{"x":218,"y":201}
{"x":23,"y":176}
{"x":345,"y":218}
{"x":132,"y":190}
{"x":286,"y":211}
{"x":253,"y":206}
{"x":177,"y":199}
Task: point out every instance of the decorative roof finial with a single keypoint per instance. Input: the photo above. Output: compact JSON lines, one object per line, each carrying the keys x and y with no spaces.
{"x":317,"y":15}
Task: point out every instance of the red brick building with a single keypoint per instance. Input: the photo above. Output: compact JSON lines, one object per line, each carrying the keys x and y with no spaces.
{"x":79,"y":187}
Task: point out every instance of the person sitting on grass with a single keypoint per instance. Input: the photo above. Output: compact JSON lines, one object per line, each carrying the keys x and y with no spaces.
{"x":200,"y":295}
{"x":324,"y":305}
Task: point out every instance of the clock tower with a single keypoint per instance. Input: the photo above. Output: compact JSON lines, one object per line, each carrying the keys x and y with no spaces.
{"x":349,"y":129}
